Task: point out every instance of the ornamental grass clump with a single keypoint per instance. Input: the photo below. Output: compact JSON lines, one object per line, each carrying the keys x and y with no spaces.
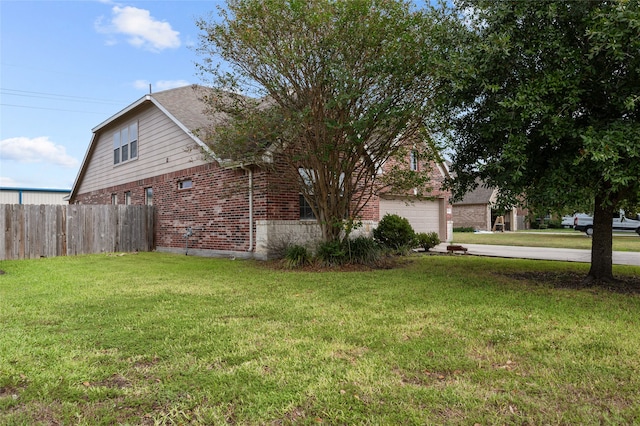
{"x":364,"y":250}
{"x":297,"y":256}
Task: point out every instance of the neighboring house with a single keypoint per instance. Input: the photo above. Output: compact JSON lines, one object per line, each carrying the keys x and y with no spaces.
{"x":33,"y":195}
{"x":476,"y":210}
{"x":150,"y":153}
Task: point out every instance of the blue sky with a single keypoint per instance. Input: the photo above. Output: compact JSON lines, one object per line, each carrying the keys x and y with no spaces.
{"x":66,"y":66}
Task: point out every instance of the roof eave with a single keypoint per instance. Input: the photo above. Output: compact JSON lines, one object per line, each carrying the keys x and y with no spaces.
{"x":122,"y":112}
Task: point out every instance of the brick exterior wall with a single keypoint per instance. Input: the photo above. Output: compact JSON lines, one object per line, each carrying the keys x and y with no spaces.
{"x":216,"y":207}
{"x":476,"y":216}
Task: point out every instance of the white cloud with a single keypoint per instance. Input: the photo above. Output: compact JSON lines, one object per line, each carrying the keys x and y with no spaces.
{"x":141,"y":84}
{"x":170,"y":84}
{"x":36,"y":150}
{"x":142,"y":29}
{"x":160,"y":84}
{"x":8,"y":182}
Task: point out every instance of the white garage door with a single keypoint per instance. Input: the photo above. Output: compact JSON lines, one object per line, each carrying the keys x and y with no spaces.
{"x":424,"y":216}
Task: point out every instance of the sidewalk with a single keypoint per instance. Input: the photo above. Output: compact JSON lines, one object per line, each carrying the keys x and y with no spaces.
{"x":542,"y":253}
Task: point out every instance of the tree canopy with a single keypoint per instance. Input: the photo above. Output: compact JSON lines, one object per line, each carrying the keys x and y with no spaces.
{"x":544,"y":104}
{"x":336,"y":88}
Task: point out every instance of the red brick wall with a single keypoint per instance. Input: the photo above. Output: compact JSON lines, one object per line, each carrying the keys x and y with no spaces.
{"x":216,"y":207}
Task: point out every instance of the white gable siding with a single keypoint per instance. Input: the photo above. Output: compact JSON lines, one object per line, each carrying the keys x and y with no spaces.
{"x":162,"y":148}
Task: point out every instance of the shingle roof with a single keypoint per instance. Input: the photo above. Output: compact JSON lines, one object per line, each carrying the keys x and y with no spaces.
{"x":184,"y":104}
{"x":481,"y":195}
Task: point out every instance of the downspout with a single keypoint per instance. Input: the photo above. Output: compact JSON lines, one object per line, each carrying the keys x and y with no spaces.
{"x":243,"y":167}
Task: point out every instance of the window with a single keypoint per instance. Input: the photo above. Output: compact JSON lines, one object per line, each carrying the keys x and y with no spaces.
{"x":414,"y":160}
{"x":185,"y":184}
{"x":125,"y":143}
{"x":114,"y":198}
{"x":305,"y":209}
{"x":127,"y":197}
{"x":148,"y":196}
{"x":308,"y":177}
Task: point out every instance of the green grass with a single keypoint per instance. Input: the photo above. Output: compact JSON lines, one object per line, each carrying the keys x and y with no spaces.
{"x":165,"y":339}
{"x":557,"y":238}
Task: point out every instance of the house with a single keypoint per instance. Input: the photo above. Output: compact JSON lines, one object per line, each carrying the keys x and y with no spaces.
{"x":33,"y":195}
{"x":477,"y":210}
{"x":150,"y":153}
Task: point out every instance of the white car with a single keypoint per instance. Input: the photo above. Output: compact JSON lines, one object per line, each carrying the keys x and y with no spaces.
{"x":584,"y":223}
{"x":567,"y":222}
{"x":570,"y":221}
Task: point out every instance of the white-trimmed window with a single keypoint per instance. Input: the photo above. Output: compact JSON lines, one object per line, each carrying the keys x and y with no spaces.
{"x":308,"y":177}
{"x":148,"y":196}
{"x":114,"y":198}
{"x":185,"y":184}
{"x":306,"y":213}
{"x":414,"y":160}
{"x":127,"y":198}
{"x":125,"y":143}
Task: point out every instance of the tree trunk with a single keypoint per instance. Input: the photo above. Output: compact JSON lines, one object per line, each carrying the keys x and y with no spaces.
{"x":601,"y":244}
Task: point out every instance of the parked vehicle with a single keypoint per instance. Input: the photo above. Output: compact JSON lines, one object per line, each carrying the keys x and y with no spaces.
{"x":584,"y":223}
{"x":570,"y":221}
{"x":567,"y":221}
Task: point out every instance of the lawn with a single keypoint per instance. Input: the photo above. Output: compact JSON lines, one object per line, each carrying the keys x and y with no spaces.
{"x":557,"y":238}
{"x":166,"y":339}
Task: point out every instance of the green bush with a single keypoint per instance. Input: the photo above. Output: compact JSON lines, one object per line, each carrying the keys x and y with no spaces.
{"x":394,"y":232}
{"x":296,"y":256}
{"x":427,"y":240}
{"x":363,"y":250}
{"x":464,"y":229}
{"x":332,"y":253}
{"x":554,"y":224}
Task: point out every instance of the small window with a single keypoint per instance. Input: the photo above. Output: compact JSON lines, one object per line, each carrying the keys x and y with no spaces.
{"x":127,"y":197}
{"x":133,"y":146}
{"x":116,"y":147}
{"x":125,"y":153}
{"x":414,"y":160}
{"x":148,"y":196}
{"x":185,"y":184}
{"x":306,"y":213}
{"x":114,"y":198}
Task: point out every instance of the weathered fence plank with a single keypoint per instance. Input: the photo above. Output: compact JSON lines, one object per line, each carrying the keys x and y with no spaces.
{"x":32,"y":231}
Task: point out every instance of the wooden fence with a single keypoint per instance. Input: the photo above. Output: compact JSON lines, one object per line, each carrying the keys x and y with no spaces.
{"x":32,"y":231}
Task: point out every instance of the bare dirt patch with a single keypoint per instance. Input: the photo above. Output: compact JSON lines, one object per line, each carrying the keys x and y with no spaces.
{"x":577,"y":281}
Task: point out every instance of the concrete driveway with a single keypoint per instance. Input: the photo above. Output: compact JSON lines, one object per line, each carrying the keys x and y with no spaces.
{"x":542,"y":253}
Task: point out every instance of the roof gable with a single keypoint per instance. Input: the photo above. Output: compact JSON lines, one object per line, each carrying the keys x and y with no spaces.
{"x":480,"y":195}
{"x":181,"y":105}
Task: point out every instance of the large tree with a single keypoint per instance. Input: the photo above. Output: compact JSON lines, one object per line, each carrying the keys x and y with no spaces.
{"x":544,"y":100}
{"x":330,"y":89}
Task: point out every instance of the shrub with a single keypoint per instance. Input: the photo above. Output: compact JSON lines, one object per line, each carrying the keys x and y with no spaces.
{"x":554,"y":224}
{"x":464,"y":229}
{"x":427,"y":240}
{"x":296,"y":256}
{"x":363,"y":250}
{"x":394,"y":232}
{"x":332,"y":253}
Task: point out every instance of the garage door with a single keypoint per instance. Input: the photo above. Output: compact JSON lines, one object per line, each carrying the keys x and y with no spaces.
{"x":424,"y":216}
